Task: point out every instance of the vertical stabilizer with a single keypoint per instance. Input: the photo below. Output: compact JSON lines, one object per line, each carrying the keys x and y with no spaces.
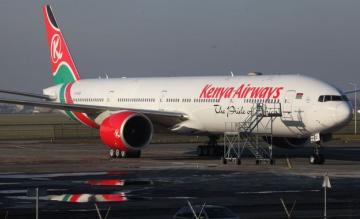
{"x":62,"y":65}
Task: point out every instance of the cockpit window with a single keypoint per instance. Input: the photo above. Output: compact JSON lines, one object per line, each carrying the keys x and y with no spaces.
{"x":326,"y":98}
{"x":336,"y":98}
{"x":344,"y":97}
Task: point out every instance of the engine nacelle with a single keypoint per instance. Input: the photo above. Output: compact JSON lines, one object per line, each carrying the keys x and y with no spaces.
{"x":288,"y":142}
{"x":126,"y":131}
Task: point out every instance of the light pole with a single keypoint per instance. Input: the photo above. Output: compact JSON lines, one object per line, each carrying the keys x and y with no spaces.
{"x":355,"y":105}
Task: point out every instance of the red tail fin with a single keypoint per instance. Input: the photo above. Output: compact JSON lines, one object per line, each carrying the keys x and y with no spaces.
{"x":62,"y":65}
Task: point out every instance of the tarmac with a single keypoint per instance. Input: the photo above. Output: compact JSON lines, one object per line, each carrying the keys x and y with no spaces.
{"x":73,"y":177}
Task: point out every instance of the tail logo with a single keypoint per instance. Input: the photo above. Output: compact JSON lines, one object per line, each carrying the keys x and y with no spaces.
{"x":56,"y":52}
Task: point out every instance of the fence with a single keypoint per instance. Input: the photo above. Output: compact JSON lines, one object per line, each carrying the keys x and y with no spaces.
{"x":48,"y":126}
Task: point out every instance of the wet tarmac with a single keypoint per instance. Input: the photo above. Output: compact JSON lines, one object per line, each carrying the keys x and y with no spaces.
{"x":73,"y":177}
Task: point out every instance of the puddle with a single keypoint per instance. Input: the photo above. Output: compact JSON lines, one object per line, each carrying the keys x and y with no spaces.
{"x":117,"y":173}
{"x":56,"y":190}
{"x":15,"y":191}
{"x":285,"y":191}
{"x":180,"y":197}
{"x":10,"y":183}
{"x":48,"y":175}
{"x":118,"y":182}
{"x":106,"y":182}
{"x":81,"y":198}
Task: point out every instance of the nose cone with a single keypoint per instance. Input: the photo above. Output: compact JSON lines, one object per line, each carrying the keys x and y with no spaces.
{"x":343,"y":114}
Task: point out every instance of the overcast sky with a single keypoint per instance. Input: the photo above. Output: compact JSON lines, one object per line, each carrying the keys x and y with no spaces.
{"x":319,"y":38}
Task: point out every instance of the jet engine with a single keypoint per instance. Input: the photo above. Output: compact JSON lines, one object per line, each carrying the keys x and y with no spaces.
{"x":126,"y":131}
{"x":287,"y":142}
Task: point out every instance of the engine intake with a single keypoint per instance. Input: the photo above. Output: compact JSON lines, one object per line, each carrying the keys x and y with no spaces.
{"x":126,"y":131}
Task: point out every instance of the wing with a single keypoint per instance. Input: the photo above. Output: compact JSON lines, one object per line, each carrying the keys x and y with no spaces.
{"x":164,"y":118}
{"x":26,"y":94}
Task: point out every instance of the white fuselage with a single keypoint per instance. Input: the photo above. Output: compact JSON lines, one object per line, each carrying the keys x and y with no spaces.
{"x":212,"y":103}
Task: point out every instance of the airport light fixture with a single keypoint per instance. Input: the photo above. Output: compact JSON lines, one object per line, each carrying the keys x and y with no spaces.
{"x":355,"y":105}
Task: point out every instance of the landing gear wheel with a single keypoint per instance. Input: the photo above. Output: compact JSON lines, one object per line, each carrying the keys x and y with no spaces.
{"x":117,"y":153}
{"x":112,"y":153}
{"x":238,"y":161}
{"x":223,"y":160}
{"x":257,"y":162}
{"x":123,"y":154}
{"x":317,"y":159}
{"x":312,"y":159}
{"x":200,"y":151}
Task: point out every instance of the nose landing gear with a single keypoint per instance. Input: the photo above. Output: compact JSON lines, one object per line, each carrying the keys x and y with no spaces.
{"x":317,"y":158}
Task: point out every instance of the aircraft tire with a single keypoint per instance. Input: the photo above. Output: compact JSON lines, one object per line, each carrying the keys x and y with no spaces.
{"x":312,"y":159}
{"x":238,"y":161}
{"x":112,"y":153}
{"x":117,"y":153}
{"x":317,"y":159}
{"x":123,"y":154}
{"x":223,"y":160}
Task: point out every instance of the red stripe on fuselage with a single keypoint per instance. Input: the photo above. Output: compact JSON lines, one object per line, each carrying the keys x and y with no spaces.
{"x":82,"y":117}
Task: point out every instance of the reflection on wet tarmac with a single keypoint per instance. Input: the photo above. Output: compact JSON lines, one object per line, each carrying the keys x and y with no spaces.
{"x":106,"y":182}
{"x":136,"y":191}
{"x":121,"y":197}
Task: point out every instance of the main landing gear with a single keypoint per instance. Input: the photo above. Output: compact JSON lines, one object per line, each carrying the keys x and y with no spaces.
{"x":211,"y":149}
{"x":116,"y":153}
{"x":317,"y":158}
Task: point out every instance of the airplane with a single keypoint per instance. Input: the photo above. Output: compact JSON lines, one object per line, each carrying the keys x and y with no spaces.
{"x":127,"y":111}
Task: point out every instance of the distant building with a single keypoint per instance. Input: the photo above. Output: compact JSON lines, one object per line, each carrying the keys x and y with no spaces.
{"x":42,"y":110}
{"x":10,"y":108}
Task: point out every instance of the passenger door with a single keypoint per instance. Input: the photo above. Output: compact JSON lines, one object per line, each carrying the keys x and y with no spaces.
{"x":287,"y":108}
{"x":162,"y":100}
